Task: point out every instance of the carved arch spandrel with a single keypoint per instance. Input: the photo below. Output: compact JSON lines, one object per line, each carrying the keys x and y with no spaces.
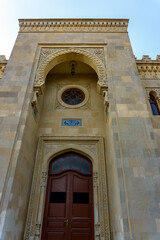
{"x":62,"y":55}
{"x":53,"y":153}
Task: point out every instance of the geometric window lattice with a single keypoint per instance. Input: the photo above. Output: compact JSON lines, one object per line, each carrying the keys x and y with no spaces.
{"x":73,"y":96}
{"x":70,"y":161}
{"x":154,"y":105}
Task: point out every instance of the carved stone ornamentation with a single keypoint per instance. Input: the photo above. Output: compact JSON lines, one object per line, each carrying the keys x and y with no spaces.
{"x":30,"y":228}
{"x":97,"y":231}
{"x":149,"y":69}
{"x":95,"y":179}
{"x":73,"y":25}
{"x":34,"y":101}
{"x":155,"y":91}
{"x":44,"y":179}
{"x":3,"y":64}
{"x":106,"y":98}
{"x":38,"y":231}
{"x":99,"y":52}
{"x":37,"y":91}
{"x":46,"y":51}
{"x":91,"y":148}
{"x":50,"y":57}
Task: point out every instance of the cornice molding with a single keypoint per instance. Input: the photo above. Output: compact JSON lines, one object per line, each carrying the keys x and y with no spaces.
{"x":73,"y":25}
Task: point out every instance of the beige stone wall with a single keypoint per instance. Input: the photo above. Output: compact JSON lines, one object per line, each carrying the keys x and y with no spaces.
{"x":134,"y":148}
{"x":131,"y":149}
{"x":53,"y":112}
{"x":16,"y":87}
{"x":149,"y":71}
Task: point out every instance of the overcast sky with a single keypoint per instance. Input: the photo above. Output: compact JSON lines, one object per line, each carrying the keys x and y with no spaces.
{"x":144,"y":16}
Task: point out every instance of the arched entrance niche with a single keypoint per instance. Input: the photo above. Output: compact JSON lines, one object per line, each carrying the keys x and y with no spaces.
{"x":50,"y":148}
{"x":50,"y":59}
{"x":68,"y":212}
{"x":63,"y":55}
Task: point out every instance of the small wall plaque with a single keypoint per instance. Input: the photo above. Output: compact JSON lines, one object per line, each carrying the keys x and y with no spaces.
{"x":72,"y":122}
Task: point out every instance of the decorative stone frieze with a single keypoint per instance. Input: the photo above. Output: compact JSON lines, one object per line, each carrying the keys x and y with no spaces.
{"x":3,"y":64}
{"x":73,"y":25}
{"x":46,"y":51}
{"x":149,"y":69}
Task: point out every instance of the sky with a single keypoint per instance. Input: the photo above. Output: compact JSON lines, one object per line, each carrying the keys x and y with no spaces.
{"x":144,"y":19}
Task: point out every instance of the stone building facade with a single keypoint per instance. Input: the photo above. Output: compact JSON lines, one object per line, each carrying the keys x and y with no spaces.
{"x":112,"y":124}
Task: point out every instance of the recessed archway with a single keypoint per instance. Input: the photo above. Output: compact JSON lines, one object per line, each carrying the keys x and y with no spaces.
{"x":63,"y":55}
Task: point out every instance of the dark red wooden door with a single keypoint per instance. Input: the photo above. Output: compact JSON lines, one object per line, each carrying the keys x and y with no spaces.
{"x":69,"y":207}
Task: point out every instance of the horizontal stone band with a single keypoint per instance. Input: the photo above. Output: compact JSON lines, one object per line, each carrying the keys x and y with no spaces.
{"x":73,"y":25}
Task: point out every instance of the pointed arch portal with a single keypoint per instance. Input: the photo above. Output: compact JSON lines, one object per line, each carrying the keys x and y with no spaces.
{"x":54,"y":58}
{"x":68,"y":210}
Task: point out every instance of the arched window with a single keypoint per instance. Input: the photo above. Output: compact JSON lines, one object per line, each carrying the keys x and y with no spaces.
{"x":70,"y":161}
{"x":154,"y":105}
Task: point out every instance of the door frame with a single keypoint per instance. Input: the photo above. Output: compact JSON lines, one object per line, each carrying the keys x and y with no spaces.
{"x":49,"y":148}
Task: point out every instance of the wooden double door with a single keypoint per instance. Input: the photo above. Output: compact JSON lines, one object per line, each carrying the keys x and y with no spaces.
{"x":69,"y":203}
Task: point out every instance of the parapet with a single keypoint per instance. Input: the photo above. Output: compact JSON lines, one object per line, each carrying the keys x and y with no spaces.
{"x":148,"y":68}
{"x":3,"y":63}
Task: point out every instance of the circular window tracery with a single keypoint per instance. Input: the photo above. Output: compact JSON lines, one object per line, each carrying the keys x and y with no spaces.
{"x":67,"y":87}
{"x":73,"y":96}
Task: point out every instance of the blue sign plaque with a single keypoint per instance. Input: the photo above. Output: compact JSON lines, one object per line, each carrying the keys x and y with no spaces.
{"x":72,"y":122}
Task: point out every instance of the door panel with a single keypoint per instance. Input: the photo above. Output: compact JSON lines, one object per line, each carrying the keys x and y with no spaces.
{"x":78,"y":224}
{"x":80,"y":211}
{"x":54,"y":226}
{"x":59,"y":184}
{"x":80,"y":236}
{"x":68,"y":208}
{"x":55,"y":235}
{"x":57,"y":210}
{"x":80,"y":184}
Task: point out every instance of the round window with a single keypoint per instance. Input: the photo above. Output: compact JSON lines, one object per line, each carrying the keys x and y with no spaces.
{"x":73,"y":96}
